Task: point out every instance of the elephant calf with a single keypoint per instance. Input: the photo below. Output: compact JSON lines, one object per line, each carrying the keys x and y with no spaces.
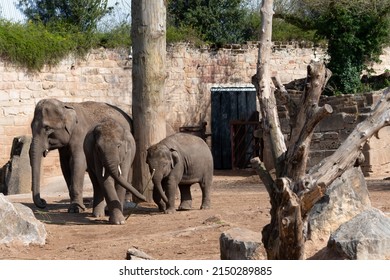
{"x":180,"y":160}
{"x":109,"y":150}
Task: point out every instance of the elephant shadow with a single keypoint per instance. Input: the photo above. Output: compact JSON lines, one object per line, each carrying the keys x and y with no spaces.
{"x":143,"y":208}
{"x":57,"y":213}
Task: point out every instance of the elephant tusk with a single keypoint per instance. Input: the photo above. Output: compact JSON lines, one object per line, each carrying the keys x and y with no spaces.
{"x":120,"y":170}
{"x":45,"y":152}
{"x":103,"y":172}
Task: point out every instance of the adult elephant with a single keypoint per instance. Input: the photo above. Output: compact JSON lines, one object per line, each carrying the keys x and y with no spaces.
{"x":63,"y":126}
{"x":180,"y":160}
{"x":110,"y":149}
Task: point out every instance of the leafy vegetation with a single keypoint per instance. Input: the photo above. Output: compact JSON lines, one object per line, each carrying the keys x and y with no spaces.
{"x":220,"y":22}
{"x":56,"y":29}
{"x":356,"y":32}
{"x":356,"y":36}
{"x":80,"y":14}
{"x":32,"y":45}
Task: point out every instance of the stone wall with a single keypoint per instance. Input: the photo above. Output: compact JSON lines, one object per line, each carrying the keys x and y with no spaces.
{"x":105,"y":75}
{"x":102,"y":76}
{"x":348,"y":111}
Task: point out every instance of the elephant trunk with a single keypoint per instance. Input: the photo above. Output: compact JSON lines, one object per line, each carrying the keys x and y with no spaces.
{"x":36,"y":152}
{"x":114,"y":171}
{"x":157,"y":184}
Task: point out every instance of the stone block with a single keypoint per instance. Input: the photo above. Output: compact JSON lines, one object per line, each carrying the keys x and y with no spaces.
{"x":365,"y":237}
{"x":241,"y":244}
{"x":17,"y":171}
{"x":136,"y":254}
{"x":19,"y":225}
{"x":345,"y":198}
{"x":333,"y":122}
{"x":315,"y":156}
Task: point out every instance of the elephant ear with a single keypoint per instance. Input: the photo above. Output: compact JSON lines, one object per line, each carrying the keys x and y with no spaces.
{"x":127,"y":140}
{"x":70,"y":118}
{"x":175,"y":157}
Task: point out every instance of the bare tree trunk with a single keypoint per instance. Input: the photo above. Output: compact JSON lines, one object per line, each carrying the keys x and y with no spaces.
{"x":148,"y":31}
{"x":272,"y":134}
{"x":293,"y":191}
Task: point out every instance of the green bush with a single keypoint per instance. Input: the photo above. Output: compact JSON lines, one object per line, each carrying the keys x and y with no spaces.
{"x":184,"y":34}
{"x":32,"y":46}
{"x":285,"y":32}
{"x":117,"y":37}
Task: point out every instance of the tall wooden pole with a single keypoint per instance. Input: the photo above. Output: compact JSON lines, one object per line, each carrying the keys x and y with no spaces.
{"x":148,"y":32}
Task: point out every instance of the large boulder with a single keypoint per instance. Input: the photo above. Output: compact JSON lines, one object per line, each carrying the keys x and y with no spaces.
{"x":241,"y":244}
{"x":345,"y":198}
{"x":365,"y":237}
{"x":19,"y":225}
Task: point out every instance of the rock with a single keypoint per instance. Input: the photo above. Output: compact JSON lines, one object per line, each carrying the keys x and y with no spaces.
{"x":135,"y":254}
{"x":241,"y":244}
{"x":19,"y":225}
{"x":216,"y":219}
{"x":17,"y":171}
{"x":345,"y":198}
{"x":365,"y":237}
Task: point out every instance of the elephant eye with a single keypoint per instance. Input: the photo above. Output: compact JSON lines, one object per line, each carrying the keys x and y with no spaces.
{"x":48,"y":129}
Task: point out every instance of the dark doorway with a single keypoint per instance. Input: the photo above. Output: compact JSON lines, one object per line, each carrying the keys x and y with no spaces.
{"x":230,"y":107}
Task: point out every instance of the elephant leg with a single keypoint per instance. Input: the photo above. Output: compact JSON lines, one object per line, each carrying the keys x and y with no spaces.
{"x":98,"y":197}
{"x":171,"y":195}
{"x":78,"y":166}
{"x":65,"y":159}
{"x":205,"y":187}
{"x":185,"y":197}
{"x":158,"y":200}
{"x":121,"y":193}
{"x":114,"y":201}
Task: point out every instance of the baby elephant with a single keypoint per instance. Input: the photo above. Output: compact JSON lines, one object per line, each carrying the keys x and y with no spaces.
{"x":109,"y":149}
{"x":180,"y":160}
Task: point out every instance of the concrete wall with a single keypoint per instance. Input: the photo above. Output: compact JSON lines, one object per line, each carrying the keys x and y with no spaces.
{"x":105,"y":75}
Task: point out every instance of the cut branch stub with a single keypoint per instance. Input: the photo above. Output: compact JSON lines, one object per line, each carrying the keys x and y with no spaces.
{"x":263,"y":173}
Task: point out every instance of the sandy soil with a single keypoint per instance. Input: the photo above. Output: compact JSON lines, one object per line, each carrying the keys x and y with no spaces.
{"x":238,"y":200}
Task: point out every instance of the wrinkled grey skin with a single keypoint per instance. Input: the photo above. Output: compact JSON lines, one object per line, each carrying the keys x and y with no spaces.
{"x":63,"y":126}
{"x":180,"y":160}
{"x":110,"y":149}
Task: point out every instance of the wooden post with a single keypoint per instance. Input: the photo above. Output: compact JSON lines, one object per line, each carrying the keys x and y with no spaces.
{"x":148,"y":31}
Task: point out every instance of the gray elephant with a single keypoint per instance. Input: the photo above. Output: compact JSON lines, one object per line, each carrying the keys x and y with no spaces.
{"x":180,"y":160}
{"x":63,"y":126}
{"x":110,"y":149}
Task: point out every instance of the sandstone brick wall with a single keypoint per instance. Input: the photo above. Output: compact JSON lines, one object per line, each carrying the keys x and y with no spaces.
{"x":105,"y":75}
{"x":102,"y":76}
{"x":348,"y":111}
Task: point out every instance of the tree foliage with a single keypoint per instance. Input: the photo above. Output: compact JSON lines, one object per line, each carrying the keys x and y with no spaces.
{"x":218,"y":21}
{"x":356,"y":32}
{"x":82,"y":14}
{"x":32,"y":46}
{"x":222,"y":22}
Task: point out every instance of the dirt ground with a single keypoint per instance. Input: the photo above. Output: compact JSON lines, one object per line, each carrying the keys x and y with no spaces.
{"x":238,"y":200}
